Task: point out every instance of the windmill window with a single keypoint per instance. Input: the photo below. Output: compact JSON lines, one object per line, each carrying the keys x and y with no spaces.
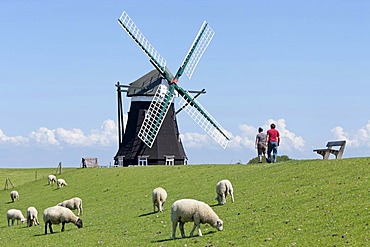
{"x":142,"y":160}
{"x":170,"y":160}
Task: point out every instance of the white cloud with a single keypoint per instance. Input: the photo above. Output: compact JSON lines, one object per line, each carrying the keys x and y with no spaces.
{"x":105,"y":136}
{"x":4,"y":139}
{"x":361,"y":138}
{"x":44,"y":136}
{"x":246,"y":138}
{"x":196,"y":140}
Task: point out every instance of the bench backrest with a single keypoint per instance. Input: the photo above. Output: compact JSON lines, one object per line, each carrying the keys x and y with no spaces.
{"x":336,"y":143}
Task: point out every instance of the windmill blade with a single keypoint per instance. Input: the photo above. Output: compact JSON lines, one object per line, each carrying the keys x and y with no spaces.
{"x":133,"y":31}
{"x":196,"y":50}
{"x":156,"y":114}
{"x":196,"y":111}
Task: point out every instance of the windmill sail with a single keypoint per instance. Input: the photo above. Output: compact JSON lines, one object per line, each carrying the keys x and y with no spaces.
{"x":196,"y":111}
{"x":133,"y":31}
{"x":155,"y":115}
{"x":197,"y":49}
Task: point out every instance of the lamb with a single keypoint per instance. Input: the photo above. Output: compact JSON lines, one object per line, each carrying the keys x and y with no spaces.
{"x":14,"y":214}
{"x":32,"y":217}
{"x":224,"y":188}
{"x":61,"y":182}
{"x":52,"y":179}
{"x":73,"y":203}
{"x":189,"y":210}
{"x":159,"y":196}
{"x":14,"y":195}
{"x":58,"y":214}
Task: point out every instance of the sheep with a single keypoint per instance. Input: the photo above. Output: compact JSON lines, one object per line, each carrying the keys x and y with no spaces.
{"x":31,"y":215}
{"x":14,"y":195}
{"x":52,"y":179}
{"x":61,"y":182}
{"x":224,"y":188}
{"x":58,"y":214}
{"x":189,"y":210}
{"x":73,"y":203}
{"x":159,"y":196}
{"x":14,"y":214}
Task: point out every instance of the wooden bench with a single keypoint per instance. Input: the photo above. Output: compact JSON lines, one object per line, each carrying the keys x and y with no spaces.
{"x":325,"y":152}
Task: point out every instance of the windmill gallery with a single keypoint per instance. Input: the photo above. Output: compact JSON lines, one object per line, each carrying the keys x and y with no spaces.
{"x":151,"y":135}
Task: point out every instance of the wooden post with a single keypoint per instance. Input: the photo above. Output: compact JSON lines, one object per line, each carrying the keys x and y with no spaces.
{"x":7,"y":181}
{"x":59,"y":168}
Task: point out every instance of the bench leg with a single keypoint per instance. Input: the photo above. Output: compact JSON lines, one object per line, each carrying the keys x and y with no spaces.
{"x":326,"y":155}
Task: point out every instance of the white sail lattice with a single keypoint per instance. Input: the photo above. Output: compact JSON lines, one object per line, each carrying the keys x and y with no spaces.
{"x":216,"y":132}
{"x":155,"y":115}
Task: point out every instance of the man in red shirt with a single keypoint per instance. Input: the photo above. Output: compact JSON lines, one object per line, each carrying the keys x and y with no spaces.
{"x":273,"y":141}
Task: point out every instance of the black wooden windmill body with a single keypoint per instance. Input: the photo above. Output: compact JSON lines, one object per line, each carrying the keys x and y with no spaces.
{"x":151,"y":135}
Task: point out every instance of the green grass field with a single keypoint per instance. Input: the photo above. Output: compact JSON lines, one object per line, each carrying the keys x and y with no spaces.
{"x":293,"y":203}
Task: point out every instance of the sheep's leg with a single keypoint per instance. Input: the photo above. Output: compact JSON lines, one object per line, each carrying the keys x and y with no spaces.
{"x":174,"y":226}
{"x":63,"y":223}
{"x":223,"y":199}
{"x":12,"y":222}
{"x":50,"y":228}
{"x":232,"y":197}
{"x":182,"y":229}
{"x":199,"y":231}
{"x":192,"y":230}
{"x":8,"y":222}
{"x":46,"y":228}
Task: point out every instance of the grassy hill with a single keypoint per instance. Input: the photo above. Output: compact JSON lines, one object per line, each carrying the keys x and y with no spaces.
{"x":293,"y":203}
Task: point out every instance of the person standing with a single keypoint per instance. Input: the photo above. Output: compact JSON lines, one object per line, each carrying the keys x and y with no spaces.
{"x":261,"y":144}
{"x":273,"y":141}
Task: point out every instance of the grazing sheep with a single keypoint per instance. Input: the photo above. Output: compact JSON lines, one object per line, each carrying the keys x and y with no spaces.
{"x":73,"y":203}
{"x":189,"y":210}
{"x":159,"y":196}
{"x":52,"y":179}
{"x":61,"y":182}
{"x":14,"y":195}
{"x":32,"y":217}
{"x":224,"y":188}
{"x":14,"y":214}
{"x":58,"y":214}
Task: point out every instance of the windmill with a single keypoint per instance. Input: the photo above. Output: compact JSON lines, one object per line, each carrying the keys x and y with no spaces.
{"x":164,"y":95}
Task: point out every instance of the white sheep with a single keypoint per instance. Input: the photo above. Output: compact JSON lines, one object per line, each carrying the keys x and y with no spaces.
{"x":14,"y":214}
{"x":224,"y":188}
{"x":14,"y":195}
{"x":52,"y":179}
{"x":61,"y":182}
{"x":73,"y":203}
{"x":58,"y":214}
{"x":189,"y":210}
{"x":31,"y":215}
{"x":159,"y":196}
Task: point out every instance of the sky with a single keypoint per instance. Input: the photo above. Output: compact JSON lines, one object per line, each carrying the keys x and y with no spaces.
{"x":303,"y":65}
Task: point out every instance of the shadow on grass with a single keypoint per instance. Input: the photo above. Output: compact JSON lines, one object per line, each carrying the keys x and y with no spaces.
{"x":186,"y":237}
{"x":142,"y":215}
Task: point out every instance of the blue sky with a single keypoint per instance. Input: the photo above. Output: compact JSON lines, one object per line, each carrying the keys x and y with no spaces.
{"x":304,"y":65}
